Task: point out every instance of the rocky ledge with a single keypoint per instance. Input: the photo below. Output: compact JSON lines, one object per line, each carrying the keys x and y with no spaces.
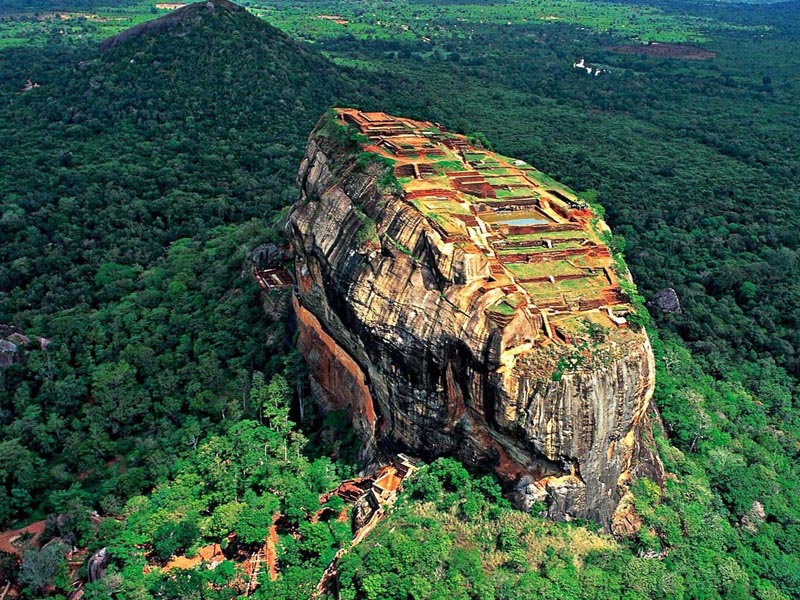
{"x":459,"y":302}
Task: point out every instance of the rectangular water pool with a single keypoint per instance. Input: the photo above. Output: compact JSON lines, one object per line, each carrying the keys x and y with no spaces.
{"x":524,"y":220}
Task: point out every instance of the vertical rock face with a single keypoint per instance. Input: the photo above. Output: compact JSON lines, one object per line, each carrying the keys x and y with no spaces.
{"x":458,"y":302}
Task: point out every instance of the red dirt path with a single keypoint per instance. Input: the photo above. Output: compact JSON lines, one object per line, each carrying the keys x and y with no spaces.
{"x":272,"y":553}
{"x":7,"y":537}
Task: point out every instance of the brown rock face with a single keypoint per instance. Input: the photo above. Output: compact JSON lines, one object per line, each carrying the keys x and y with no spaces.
{"x":468,"y":307}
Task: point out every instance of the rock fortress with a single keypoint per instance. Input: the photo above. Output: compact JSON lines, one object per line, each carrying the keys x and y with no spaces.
{"x":459,"y":302}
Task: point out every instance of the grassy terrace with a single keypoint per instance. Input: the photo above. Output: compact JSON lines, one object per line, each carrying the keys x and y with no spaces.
{"x":447,"y":207}
{"x":543,"y":269}
{"x":506,"y":178}
{"x":518,"y":192}
{"x":472,"y":196}
{"x":550,"y":235}
{"x":536,"y":247}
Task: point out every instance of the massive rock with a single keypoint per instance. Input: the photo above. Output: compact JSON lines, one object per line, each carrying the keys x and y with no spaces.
{"x":458,"y":302}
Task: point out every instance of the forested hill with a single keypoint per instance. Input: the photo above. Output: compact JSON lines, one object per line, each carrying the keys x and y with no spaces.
{"x":162,"y":137}
{"x":135,"y":182}
{"x":182,"y":21}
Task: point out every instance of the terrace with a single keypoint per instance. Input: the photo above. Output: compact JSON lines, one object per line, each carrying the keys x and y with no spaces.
{"x":543,"y":244}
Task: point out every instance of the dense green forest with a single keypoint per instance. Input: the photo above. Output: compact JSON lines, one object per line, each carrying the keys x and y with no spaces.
{"x":135,"y":187}
{"x":135,"y":184}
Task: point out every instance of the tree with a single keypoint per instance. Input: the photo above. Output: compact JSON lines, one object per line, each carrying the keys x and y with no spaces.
{"x":275,"y":407}
{"x":41,"y":567}
{"x":256,"y":518}
{"x":273,"y":401}
{"x":9,"y":566}
{"x":297,"y":373}
{"x":19,"y":477}
{"x":173,"y":538}
{"x":121,"y":402}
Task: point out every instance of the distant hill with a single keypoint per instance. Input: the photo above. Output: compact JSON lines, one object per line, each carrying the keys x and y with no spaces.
{"x":181,"y":20}
{"x":189,"y":121}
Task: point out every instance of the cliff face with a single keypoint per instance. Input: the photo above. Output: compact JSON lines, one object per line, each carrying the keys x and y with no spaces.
{"x":458,"y":302}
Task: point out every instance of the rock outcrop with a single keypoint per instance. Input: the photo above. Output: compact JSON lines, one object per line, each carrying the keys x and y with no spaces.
{"x":97,"y":565}
{"x":13,"y":342}
{"x":665,"y":301}
{"x":458,"y":302}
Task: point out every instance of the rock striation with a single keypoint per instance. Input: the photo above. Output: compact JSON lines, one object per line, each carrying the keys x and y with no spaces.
{"x":459,"y":302}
